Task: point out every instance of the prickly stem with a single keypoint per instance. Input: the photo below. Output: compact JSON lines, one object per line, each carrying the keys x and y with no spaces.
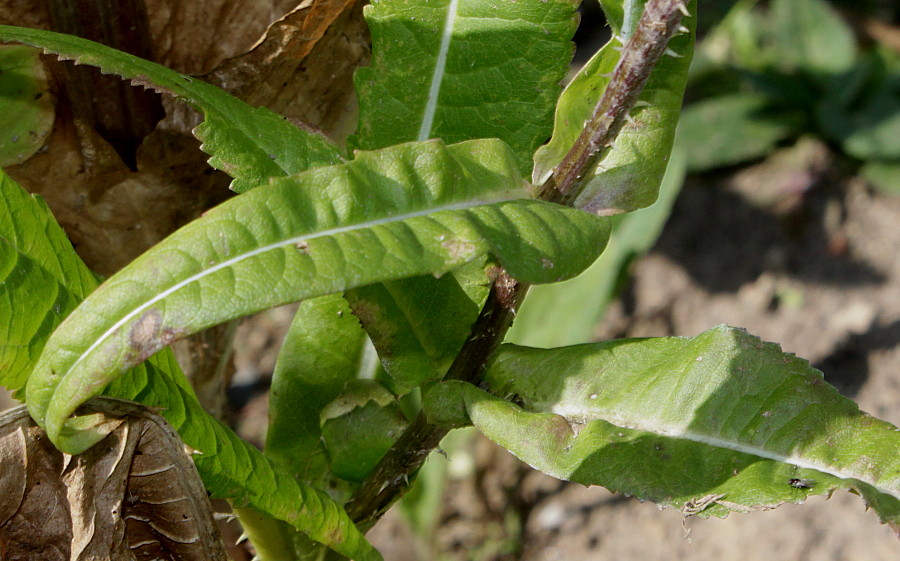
{"x":646,"y":45}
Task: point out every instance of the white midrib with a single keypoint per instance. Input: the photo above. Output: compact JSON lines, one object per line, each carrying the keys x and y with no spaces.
{"x":438,"y":77}
{"x":573,"y":415}
{"x":263,"y":249}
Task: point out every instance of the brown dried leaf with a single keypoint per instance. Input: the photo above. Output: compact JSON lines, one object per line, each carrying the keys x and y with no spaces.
{"x":26,"y":13}
{"x":303,"y":66}
{"x":194,"y":37}
{"x":111,"y":213}
{"x":121,"y":115}
{"x":135,"y":495}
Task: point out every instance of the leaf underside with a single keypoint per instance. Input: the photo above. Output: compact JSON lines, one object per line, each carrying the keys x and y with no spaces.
{"x":404,"y":211}
{"x":42,"y":280}
{"x":629,"y":174}
{"x":715,"y":423}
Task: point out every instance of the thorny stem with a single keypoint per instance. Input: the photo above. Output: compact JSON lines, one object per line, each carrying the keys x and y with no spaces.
{"x":647,"y":44}
{"x":659,"y":22}
{"x":390,"y":478}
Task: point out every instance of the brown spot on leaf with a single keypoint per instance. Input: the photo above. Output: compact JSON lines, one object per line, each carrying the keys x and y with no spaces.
{"x":458,"y":250}
{"x":145,"y":330}
{"x":148,"y":335}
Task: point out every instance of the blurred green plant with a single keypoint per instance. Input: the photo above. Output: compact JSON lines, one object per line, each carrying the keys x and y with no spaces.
{"x":767,"y":75}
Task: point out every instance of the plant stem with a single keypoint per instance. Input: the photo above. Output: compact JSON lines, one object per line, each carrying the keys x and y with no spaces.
{"x":390,"y":478}
{"x":659,"y":22}
{"x":386,"y":484}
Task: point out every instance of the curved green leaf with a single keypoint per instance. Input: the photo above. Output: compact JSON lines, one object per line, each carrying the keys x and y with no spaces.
{"x":464,"y":69}
{"x":629,"y":175}
{"x":43,"y":280}
{"x":708,"y":424}
{"x":568,"y":313}
{"x":308,"y":376}
{"x":409,"y":210}
{"x":250,"y":144}
{"x":26,"y":106}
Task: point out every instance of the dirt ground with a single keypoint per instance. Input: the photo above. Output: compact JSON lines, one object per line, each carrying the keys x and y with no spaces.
{"x":819,"y":273}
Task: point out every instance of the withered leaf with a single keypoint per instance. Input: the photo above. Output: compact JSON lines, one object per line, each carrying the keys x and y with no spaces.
{"x":134,"y":496}
{"x":303,"y":66}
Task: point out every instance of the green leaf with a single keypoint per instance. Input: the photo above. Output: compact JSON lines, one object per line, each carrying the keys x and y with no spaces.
{"x":419,"y":324}
{"x":629,"y":175}
{"x":250,"y":144}
{"x":810,"y":36}
{"x":732,"y":129}
{"x":359,"y":427}
{"x":862,"y":108}
{"x":26,"y":106}
{"x":567,"y":313}
{"x":232,"y":468}
{"x":42,"y":279}
{"x":708,"y":424}
{"x":308,"y":376}
{"x":409,"y":210}
{"x":464,"y":69}
{"x":456,"y":70}
{"x":28,"y":227}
